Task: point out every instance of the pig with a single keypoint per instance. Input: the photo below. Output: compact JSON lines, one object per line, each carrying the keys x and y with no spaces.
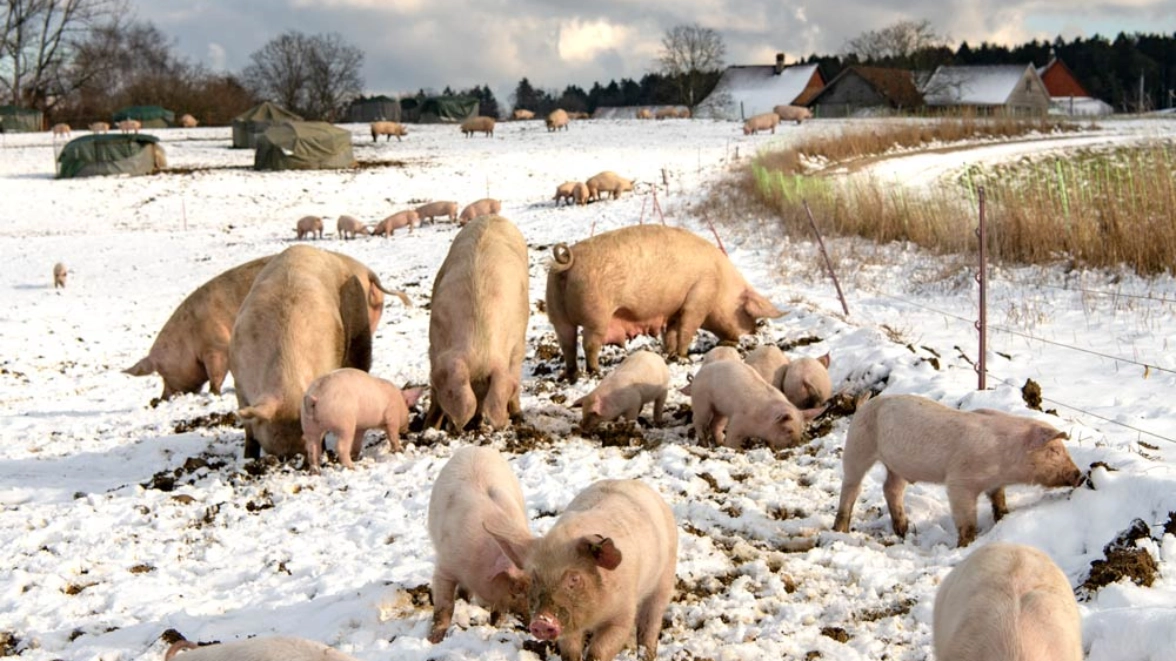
{"x":763,"y":122}
{"x":565,"y":191}
{"x":606,"y":566}
{"x":614,"y":286}
{"x":193,"y":346}
{"x":309,"y":312}
{"x":1006,"y":602}
{"x":475,"y":490}
{"x":479,"y":124}
{"x":641,"y":378}
{"x":607,"y":182}
{"x":721,"y":352}
{"x":349,"y":226}
{"x":478,"y":326}
{"x":520,"y":113}
{"x":309,"y":225}
{"x":684,"y":113}
{"x":732,"y":403}
{"x":806,"y":382}
{"x":483,"y":207}
{"x":130,"y":126}
{"x":972,"y":452}
{"x":61,"y":129}
{"x":796,"y":114}
{"x":389,"y":225}
{"x":99,"y":127}
{"x":347,"y":402}
{"x":188,"y":121}
{"x":669,"y":112}
{"x":772,"y":365}
{"x":389,"y":129}
{"x":59,"y":275}
{"x":431,"y":210}
{"x":644,"y":113}
{"x":557,"y":119}
{"x":580,"y":194}
{"x":264,"y":648}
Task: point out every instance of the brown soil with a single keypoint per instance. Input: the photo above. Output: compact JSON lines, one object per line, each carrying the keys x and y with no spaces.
{"x":1123,"y":559}
{"x":206,"y":422}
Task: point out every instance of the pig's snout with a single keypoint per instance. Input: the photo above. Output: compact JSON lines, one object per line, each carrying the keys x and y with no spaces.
{"x":545,"y":627}
{"x":1077,"y":478}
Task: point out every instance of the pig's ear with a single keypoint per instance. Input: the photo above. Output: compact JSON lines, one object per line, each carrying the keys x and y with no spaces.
{"x":504,"y":565}
{"x":603,"y":551}
{"x":412,"y":396}
{"x":757,"y":306}
{"x":784,"y":418}
{"x":514,"y":546}
{"x":824,"y":360}
{"x":1038,"y":435}
{"x":263,"y":410}
{"x":811,"y":414}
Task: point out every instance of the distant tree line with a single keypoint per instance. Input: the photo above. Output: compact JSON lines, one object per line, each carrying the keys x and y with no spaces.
{"x":652,"y":89}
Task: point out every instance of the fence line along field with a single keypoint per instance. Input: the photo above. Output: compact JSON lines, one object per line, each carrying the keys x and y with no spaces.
{"x":130,"y":520}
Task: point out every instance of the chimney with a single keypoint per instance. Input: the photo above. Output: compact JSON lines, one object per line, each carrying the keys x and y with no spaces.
{"x":779,"y":63}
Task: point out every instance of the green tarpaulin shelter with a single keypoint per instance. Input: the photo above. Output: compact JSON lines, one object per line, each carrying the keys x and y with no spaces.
{"x":110,"y":153}
{"x":303,"y":146}
{"x":438,"y":109}
{"x":19,"y":120}
{"x":249,"y":125}
{"x":151,"y":117}
{"x":373,"y":109}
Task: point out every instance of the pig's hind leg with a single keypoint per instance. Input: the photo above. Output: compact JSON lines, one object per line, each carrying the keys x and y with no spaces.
{"x":443,"y":590}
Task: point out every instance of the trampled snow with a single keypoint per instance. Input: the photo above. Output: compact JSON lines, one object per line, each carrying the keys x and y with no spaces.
{"x":99,"y":559}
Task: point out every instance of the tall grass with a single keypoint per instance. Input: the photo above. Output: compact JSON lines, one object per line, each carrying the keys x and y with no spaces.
{"x":1102,"y":208}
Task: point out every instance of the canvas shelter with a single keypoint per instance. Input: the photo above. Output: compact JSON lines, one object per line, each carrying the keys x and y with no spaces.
{"x":303,"y":146}
{"x":867,"y":91}
{"x":110,"y":153}
{"x":374,"y":109}
{"x":439,"y":109}
{"x":1013,"y":89}
{"x":249,"y":125}
{"x":747,"y":90}
{"x":20,"y":120}
{"x":151,"y":117}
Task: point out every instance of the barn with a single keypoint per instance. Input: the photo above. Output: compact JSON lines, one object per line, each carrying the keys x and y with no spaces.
{"x":746,"y":90}
{"x":1002,"y":89}
{"x":1067,"y":96}
{"x":860,"y":91}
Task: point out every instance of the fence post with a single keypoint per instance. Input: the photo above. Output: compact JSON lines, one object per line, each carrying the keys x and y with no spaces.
{"x":828,"y":262}
{"x":982,"y":279}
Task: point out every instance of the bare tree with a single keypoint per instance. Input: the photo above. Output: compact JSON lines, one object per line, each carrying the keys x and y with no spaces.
{"x":691,"y":55}
{"x":37,"y":39}
{"x":897,"y":44}
{"x":314,"y":75}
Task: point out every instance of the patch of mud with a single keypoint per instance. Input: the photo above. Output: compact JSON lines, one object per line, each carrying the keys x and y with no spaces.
{"x":1170,"y":526}
{"x":527,"y":437}
{"x":619,"y":434}
{"x":894,"y":610}
{"x":789,"y":345}
{"x":836,"y":633}
{"x":544,"y":649}
{"x":167,"y":480}
{"x":9,"y":641}
{"x":841,"y":405}
{"x":170,"y":636}
{"x":1123,"y":559}
{"x":209,"y":421}
{"x":1031,"y":393}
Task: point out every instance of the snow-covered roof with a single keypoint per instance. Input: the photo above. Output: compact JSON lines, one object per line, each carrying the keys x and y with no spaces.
{"x":1079,"y":105}
{"x":988,"y":85}
{"x":744,"y":91}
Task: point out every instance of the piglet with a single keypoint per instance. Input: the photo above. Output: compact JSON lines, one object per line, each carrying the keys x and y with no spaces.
{"x":59,"y":275}
{"x":771,"y":364}
{"x":347,"y":402}
{"x":806,"y":382}
{"x":389,"y":225}
{"x":309,"y":226}
{"x":972,"y":452}
{"x":267,"y":648}
{"x":476,"y":489}
{"x":642,"y":377}
{"x":606,"y":565}
{"x":732,"y":403}
{"x":1007,"y":601}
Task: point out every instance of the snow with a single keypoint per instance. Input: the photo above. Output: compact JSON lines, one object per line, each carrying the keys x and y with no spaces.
{"x":99,"y":562}
{"x":977,"y":85}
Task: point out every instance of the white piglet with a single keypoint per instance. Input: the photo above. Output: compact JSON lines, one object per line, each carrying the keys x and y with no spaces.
{"x":732,"y":403}
{"x":641,"y":378}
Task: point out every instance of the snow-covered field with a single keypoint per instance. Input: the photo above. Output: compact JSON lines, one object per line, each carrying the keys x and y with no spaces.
{"x":102,"y":554}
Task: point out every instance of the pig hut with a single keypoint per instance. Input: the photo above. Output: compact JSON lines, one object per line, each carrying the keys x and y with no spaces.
{"x":20,"y":120}
{"x":110,"y":153}
{"x":303,"y":146}
{"x":150,"y":117}
{"x":249,"y":125}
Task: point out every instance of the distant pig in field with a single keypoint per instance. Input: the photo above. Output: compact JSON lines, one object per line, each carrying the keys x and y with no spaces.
{"x":606,"y":565}
{"x":188,"y":121}
{"x":476,"y":490}
{"x":389,"y":225}
{"x":972,"y":452}
{"x":564,"y":192}
{"x":349,"y":226}
{"x":264,"y":648}
{"x":642,"y":377}
{"x":557,"y":119}
{"x":309,"y":225}
{"x":580,"y":194}
{"x":61,"y":129}
{"x":99,"y":127}
{"x":732,"y":403}
{"x":764,"y":122}
{"x":1006,"y":602}
{"x":806,"y":382}
{"x":771,"y":364}
{"x":389,"y":129}
{"x":792,"y":113}
{"x":431,"y":210}
{"x":478,"y":326}
{"x":607,"y":182}
{"x":479,"y":124}
{"x":130,"y":126}
{"x":644,"y":113}
{"x":484,"y":207}
{"x":520,"y":113}
{"x":347,"y":402}
{"x":59,"y":275}
{"x":193,"y":346}
{"x":614,"y":286}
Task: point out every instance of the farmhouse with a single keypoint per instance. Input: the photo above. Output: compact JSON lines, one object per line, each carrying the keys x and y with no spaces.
{"x":1067,"y":96}
{"x":1003,"y":89}
{"x":746,"y":90}
{"x":867,"y":91}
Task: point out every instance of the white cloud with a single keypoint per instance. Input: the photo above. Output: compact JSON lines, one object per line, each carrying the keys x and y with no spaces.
{"x":217,"y":57}
{"x":581,"y":41}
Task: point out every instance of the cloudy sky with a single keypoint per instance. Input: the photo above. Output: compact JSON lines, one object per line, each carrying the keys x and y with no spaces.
{"x":410,"y":44}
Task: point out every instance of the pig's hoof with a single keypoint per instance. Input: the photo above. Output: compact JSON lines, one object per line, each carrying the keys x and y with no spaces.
{"x":436,"y":636}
